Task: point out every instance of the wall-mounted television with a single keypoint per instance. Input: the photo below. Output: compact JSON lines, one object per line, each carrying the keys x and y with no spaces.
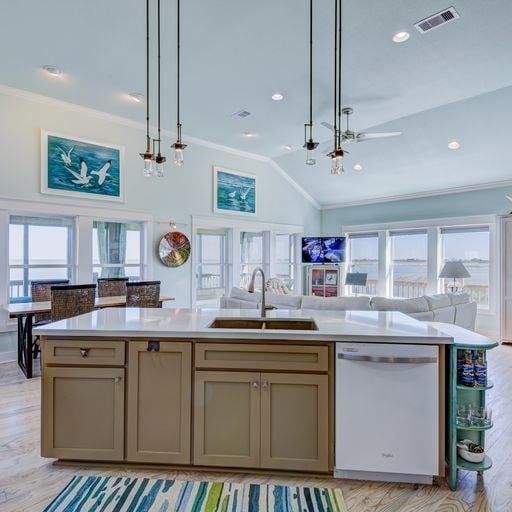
{"x":323,"y":249}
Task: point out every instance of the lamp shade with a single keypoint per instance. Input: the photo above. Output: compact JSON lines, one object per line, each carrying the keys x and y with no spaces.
{"x":454,"y":270}
{"x":356,"y":278}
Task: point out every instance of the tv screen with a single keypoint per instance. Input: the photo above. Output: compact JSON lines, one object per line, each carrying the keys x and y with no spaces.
{"x":324,"y":249}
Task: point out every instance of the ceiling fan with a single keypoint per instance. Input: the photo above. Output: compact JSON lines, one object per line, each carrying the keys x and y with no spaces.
{"x":348,"y":135}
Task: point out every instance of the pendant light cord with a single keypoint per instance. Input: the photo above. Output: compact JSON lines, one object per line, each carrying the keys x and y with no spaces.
{"x":158,"y":21}
{"x":340,"y":128}
{"x":148,"y":138}
{"x":178,"y":72}
{"x":335,"y":72}
{"x":310,"y":70}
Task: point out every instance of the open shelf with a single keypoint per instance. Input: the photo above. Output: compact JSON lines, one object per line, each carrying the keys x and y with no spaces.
{"x":474,"y":466}
{"x":490,"y":384}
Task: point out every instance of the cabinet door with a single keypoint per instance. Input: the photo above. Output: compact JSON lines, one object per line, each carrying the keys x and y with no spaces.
{"x":294,"y":421}
{"x":159,"y":396}
{"x":227,"y":419}
{"x":83,"y":413}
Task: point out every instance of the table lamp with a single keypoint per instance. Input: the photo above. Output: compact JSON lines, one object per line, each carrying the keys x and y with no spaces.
{"x":454,"y":270}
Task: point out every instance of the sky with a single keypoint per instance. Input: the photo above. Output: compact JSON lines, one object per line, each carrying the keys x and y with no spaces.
{"x":464,"y":246}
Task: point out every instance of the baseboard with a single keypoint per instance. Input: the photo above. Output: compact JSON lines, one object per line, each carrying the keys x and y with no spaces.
{"x":383,"y":477}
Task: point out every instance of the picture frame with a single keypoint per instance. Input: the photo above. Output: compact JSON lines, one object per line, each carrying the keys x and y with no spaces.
{"x":331,"y":278}
{"x":77,"y":167}
{"x":234,"y":192}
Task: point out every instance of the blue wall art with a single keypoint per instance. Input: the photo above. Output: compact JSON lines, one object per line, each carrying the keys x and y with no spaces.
{"x":81,"y":168}
{"x":234,"y":192}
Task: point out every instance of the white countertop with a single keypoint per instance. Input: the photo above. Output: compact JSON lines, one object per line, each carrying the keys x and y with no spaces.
{"x":363,"y":326}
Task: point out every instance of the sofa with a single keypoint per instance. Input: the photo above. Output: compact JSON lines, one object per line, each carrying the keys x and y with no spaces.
{"x":452,"y":308}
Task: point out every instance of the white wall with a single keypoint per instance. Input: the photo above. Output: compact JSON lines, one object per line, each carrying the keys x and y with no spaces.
{"x":179,"y":195}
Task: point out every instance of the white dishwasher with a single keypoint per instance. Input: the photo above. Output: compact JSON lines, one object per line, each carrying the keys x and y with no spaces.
{"x":387,"y":412}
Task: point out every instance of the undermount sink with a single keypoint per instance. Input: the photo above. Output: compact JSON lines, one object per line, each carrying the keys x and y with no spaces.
{"x":290,"y":324}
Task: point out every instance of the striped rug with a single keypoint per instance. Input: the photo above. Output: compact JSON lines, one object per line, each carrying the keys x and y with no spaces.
{"x":111,"y":494}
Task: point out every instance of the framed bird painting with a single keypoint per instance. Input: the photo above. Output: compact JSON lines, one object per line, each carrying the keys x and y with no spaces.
{"x":76,"y":167}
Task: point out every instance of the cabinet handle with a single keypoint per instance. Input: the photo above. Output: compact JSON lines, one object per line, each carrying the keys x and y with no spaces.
{"x":118,"y":379}
{"x":391,"y":360}
{"x":264,"y":384}
{"x":84,"y":352}
{"x":255,"y":384}
{"x":153,"y":346}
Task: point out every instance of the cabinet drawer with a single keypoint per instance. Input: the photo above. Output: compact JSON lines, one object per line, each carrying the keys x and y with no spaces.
{"x":262,"y":357}
{"x":83,"y":352}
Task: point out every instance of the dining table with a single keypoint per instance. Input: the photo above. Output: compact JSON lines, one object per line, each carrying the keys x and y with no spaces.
{"x":24,"y":313}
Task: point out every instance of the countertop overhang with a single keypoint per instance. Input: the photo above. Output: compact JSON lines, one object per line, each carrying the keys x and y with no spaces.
{"x":355,"y":326}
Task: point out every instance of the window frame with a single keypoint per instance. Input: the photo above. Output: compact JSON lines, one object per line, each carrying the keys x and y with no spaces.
{"x":82,"y":240}
{"x":434,"y":261}
{"x":233,"y":228}
{"x":26,"y":265}
{"x":224,"y":264}
{"x":139,"y":265}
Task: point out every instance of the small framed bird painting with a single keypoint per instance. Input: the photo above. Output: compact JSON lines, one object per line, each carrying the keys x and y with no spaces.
{"x":76,"y":167}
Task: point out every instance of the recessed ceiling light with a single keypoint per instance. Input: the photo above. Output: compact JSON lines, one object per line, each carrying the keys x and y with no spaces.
{"x":277,"y":96}
{"x":358,"y":167}
{"x":248,"y":134}
{"x":135,"y":96}
{"x":288,"y":147}
{"x":52,"y":70}
{"x":454,"y":144}
{"x":401,"y":37}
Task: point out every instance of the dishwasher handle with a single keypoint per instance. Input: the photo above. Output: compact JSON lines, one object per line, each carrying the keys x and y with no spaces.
{"x":386,"y":359}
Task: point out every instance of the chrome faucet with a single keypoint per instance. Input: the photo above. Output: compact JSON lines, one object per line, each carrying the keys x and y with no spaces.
{"x":250,"y":289}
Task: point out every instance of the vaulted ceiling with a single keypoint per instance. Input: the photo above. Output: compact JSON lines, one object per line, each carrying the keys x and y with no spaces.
{"x":454,"y":82}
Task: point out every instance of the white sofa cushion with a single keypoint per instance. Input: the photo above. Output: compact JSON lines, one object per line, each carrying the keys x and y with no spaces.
{"x":446,"y":315}
{"x":424,"y":316}
{"x":288,"y":301}
{"x":465,"y":315}
{"x":417,"y":305}
{"x":280,"y":301}
{"x":441,"y":300}
{"x":336,"y":303}
{"x":459,"y":298}
{"x":243,"y":294}
{"x":230,"y":303}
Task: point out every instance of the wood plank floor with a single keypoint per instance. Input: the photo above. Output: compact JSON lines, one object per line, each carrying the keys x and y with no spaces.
{"x":29,"y":482}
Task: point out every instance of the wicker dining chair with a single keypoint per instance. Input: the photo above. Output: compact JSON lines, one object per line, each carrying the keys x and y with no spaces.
{"x":40,"y":291}
{"x":112,"y":286}
{"x":72,"y":300}
{"x":143,"y":294}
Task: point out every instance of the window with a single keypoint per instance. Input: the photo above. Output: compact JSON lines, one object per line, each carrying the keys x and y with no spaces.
{"x":39,"y":248}
{"x":364,"y":258}
{"x":251,"y":256}
{"x":471,"y":246}
{"x":284,"y":262}
{"x":212,"y":267}
{"x":116,"y":250}
{"x":409,"y":250}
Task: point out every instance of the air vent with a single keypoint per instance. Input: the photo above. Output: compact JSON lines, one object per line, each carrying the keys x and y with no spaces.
{"x":436,"y":20}
{"x":241,"y":114}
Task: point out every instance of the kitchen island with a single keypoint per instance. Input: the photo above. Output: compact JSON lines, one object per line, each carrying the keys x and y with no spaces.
{"x":214,"y":388}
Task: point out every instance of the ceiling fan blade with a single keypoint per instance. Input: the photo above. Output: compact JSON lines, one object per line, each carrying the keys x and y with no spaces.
{"x":329,"y":126}
{"x":362,"y":136}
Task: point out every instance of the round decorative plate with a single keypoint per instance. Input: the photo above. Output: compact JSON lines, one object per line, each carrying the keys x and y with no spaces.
{"x":174,"y":249}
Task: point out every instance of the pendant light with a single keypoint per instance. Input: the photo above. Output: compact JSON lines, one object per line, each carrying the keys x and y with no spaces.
{"x":148,"y":156}
{"x":337,"y":153}
{"x":309,"y":144}
{"x":178,"y":146}
{"x":159,"y":158}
